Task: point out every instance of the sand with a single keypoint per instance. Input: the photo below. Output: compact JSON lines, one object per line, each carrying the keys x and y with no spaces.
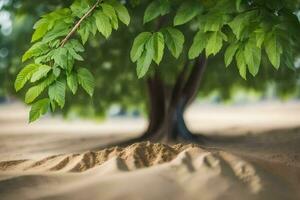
{"x":259,"y":163}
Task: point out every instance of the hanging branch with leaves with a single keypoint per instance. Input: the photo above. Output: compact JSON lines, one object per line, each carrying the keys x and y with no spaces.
{"x":246,"y":30}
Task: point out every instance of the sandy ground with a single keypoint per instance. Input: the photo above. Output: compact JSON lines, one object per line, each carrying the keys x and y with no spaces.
{"x":254,"y":153}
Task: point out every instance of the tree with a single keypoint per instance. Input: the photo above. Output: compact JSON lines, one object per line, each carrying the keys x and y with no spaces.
{"x":171,"y":46}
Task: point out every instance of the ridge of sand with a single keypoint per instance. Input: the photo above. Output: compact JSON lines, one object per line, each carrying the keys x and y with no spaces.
{"x":136,"y":156}
{"x":185,"y":172}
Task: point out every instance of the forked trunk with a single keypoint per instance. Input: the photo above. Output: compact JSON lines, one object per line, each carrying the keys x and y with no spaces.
{"x":166,"y":107}
{"x":166,"y":117}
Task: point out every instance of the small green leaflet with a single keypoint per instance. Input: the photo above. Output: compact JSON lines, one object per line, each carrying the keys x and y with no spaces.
{"x":152,"y":11}
{"x":186,"y":12}
{"x":239,"y":24}
{"x":72,"y":82}
{"x":103,"y":24}
{"x":79,"y":8}
{"x":230,"y":52}
{"x":86,"y":28}
{"x":38,"y":109}
{"x":288,"y":59}
{"x":147,"y":47}
{"x":35,"y":91}
{"x":86,"y":80}
{"x":174,"y":40}
{"x":241,"y":64}
{"x":60,"y":29}
{"x":199,"y":43}
{"x":252,"y":55}
{"x":260,"y":37}
{"x":273,"y":49}
{"x":60,"y":57}
{"x":159,"y":46}
{"x":41,"y":28}
{"x":110,"y":12}
{"x":37,"y":49}
{"x":48,"y":21}
{"x":56,"y":71}
{"x":40,"y":73}
{"x":57,"y":92}
{"x":214,"y":21}
{"x":138,"y":45}
{"x":155,"y":9}
{"x":214,"y":43}
{"x":121,"y":11}
{"x":25,"y":75}
{"x":144,"y":61}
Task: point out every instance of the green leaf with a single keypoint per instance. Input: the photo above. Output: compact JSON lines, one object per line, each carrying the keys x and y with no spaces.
{"x":25,"y":75}
{"x":273,"y":49}
{"x":122,"y":12}
{"x":41,"y":28}
{"x":164,"y":7}
{"x":159,"y":46}
{"x":174,"y":40}
{"x":230,"y":52}
{"x":56,"y":71}
{"x":86,"y":80}
{"x":60,"y":57}
{"x":288,"y":59}
{"x":76,"y":45}
{"x":75,"y":55}
{"x":84,"y":32}
{"x":110,"y":12}
{"x":79,"y":8}
{"x":199,"y":43}
{"x":152,"y":11}
{"x":144,"y":61}
{"x":239,"y":24}
{"x":214,"y":21}
{"x":41,"y":72}
{"x":103,"y":24}
{"x":186,"y":12}
{"x":214,"y":43}
{"x":37,"y":49}
{"x":138,"y":45}
{"x":57,"y":92}
{"x":72,"y":82}
{"x":241,"y":64}
{"x":35,"y":91}
{"x":260,"y":37}
{"x":252,"y":56}
{"x":38,"y":109}
{"x":60,"y":29}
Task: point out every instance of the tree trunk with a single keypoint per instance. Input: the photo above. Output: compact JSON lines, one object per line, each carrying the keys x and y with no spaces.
{"x":166,"y":109}
{"x":166,"y":120}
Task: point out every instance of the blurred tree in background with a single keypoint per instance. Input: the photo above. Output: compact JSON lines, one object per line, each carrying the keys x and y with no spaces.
{"x":115,"y":75}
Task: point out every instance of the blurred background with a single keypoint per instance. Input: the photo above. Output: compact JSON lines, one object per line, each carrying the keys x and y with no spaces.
{"x":226,"y":102}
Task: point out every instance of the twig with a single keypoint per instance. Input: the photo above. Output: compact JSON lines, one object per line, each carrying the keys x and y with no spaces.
{"x":63,"y":42}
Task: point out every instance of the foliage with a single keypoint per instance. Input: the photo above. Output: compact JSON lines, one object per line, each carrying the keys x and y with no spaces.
{"x":246,"y":31}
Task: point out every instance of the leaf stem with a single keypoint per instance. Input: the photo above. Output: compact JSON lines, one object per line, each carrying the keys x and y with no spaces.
{"x":74,"y":29}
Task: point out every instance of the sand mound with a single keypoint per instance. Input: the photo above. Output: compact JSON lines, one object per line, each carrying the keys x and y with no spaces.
{"x":142,"y":170}
{"x":136,"y":156}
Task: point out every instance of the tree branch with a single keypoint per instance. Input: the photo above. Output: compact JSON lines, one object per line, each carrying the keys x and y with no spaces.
{"x":193,"y":83}
{"x":74,"y":29}
{"x":178,"y":87}
{"x":156,"y":103}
